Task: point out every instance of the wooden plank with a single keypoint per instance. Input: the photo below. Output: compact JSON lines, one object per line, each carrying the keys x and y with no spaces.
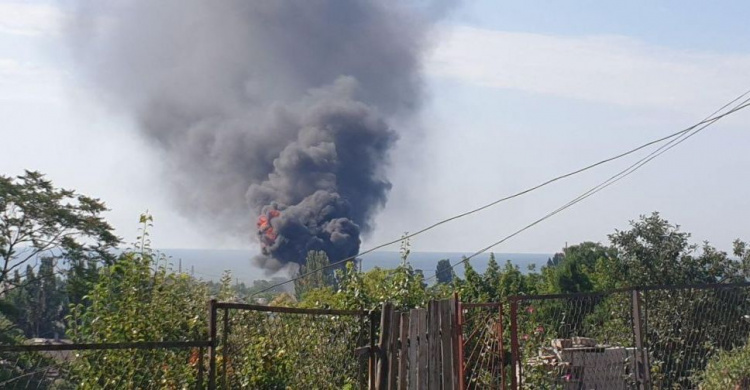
{"x":393,"y":351}
{"x":446,"y":332}
{"x":403,"y":356}
{"x":372,"y":361}
{"x":461,"y":366}
{"x":446,"y":344}
{"x":413,"y":365}
{"x":424,"y":354}
{"x":433,"y":336}
{"x":385,"y":330}
{"x":454,"y":342}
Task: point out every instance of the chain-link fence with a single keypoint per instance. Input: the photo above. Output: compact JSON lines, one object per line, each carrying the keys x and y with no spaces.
{"x":262,"y":347}
{"x":685,"y":327}
{"x":652,"y":338}
{"x":248,"y":347}
{"x":576,"y":341}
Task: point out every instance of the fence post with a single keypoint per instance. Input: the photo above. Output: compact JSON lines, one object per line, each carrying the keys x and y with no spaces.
{"x":373,"y":353}
{"x":460,"y":342}
{"x":201,"y":354}
{"x":225,"y":349}
{"x":642,"y":367}
{"x":403,"y":352}
{"x":213,"y":344}
{"x":514,"y":348}
{"x":501,"y":345}
{"x":385,"y":333}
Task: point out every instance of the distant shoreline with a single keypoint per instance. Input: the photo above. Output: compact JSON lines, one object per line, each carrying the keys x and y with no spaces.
{"x":209,"y":264}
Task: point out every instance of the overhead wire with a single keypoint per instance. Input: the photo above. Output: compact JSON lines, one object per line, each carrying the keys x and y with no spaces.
{"x":615,"y":178}
{"x":676,"y":135}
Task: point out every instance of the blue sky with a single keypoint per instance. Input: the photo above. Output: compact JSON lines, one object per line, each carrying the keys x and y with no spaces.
{"x":719,"y":26}
{"x":518,"y":92}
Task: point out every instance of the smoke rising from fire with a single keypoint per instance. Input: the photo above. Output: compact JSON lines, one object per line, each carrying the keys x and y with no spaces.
{"x":277,"y":108}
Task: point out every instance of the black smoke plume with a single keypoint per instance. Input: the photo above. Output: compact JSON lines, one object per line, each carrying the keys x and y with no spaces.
{"x":277,"y":108}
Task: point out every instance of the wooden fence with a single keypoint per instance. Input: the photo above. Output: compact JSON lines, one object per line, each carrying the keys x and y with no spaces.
{"x":418,"y":349}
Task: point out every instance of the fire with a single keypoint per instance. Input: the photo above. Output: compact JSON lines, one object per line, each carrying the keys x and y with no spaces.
{"x":265,"y":229}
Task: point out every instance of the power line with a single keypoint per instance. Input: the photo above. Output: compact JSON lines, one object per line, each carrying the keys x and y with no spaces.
{"x":617,"y":177}
{"x":709,"y":120}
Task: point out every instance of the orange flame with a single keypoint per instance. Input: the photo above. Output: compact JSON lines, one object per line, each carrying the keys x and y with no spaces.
{"x":265,"y":230}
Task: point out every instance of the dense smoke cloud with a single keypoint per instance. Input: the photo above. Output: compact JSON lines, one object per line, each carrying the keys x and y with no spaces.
{"x":264,"y":105}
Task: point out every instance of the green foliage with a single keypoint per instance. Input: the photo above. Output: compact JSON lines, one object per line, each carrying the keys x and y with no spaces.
{"x":42,"y":225}
{"x":403,"y":286}
{"x":728,"y":370}
{"x":315,"y":260}
{"x":685,"y":327}
{"x":290,"y":351}
{"x":491,"y":279}
{"x":656,"y":252}
{"x":40,"y":220}
{"x":444,"y":272}
{"x":742,"y":251}
{"x":137,"y":299}
{"x":555,"y":259}
{"x":44,"y":301}
{"x":472,"y":288}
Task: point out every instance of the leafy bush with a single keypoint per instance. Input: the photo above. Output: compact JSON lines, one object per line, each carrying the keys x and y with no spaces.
{"x":139,"y":299}
{"x":728,"y":370}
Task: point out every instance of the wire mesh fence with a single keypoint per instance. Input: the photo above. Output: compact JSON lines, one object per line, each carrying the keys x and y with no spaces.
{"x":285,"y":348}
{"x":574,"y":341}
{"x":651,"y":338}
{"x":684,"y":328}
{"x":659,"y":337}
{"x":140,"y":365}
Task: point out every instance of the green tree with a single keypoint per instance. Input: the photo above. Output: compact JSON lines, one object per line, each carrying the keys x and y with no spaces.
{"x":555,"y":260}
{"x":491,"y":279}
{"x":685,"y":327}
{"x":513,"y":281}
{"x":654,"y":252}
{"x":403,"y":286}
{"x":742,"y":252}
{"x":324,"y":278}
{"x":138,"y":299}
{"x":472,"y":287}
{"x":40,"y":300}
{"x":444,"y":272}
{"x":574,"y":271}
{"x":39,"y":220}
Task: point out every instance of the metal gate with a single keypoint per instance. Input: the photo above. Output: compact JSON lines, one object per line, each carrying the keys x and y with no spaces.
{"x":280,"y":347}
{"x":483,"y":355}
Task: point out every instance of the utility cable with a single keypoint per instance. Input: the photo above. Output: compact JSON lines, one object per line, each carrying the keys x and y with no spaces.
{"x":708,"y":121}
{"x":612,"y":180}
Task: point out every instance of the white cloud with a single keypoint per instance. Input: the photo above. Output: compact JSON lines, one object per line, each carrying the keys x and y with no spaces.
{"x":26,"y":81}
{"x":30,"y":19}
{"x":11,"y":68}
{"x":609,"y":69}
